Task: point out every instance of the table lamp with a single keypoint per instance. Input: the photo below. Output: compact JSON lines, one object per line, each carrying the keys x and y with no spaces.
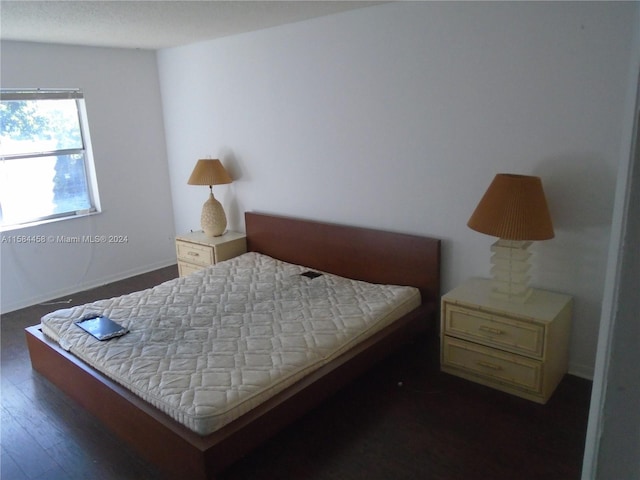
{"x":514,"y":209}
{"x":211,"y":172}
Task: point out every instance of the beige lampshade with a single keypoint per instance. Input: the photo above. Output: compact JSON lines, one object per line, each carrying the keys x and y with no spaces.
{"x":209,"y":172}
{"x":513,"y":208}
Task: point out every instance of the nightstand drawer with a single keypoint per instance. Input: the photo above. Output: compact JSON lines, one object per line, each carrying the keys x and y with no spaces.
{"x":195,"y":250}
{"x":185,"y":268}
{"x":194,"y":253}
{"x":492,"y":330}
{"x":493,"y":365}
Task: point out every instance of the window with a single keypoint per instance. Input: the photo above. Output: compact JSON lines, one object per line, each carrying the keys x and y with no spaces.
{"x":46,"y":167}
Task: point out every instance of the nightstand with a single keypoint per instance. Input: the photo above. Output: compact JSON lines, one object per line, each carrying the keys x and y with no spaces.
{"x":196,"y":250}
{"x":519,"y":348}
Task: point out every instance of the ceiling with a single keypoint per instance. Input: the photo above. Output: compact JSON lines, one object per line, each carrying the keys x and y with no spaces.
{"x":151,"y":24}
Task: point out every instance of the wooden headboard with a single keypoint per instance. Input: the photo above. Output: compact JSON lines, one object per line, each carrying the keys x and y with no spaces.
{"x":374,"y":256}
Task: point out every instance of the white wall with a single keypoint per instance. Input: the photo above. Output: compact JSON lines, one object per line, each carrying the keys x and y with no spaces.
{"x":125,"y":117}
{"x":398,"y":116}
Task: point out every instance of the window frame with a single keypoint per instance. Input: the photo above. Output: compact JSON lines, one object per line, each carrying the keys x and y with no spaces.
{"x":9,"y":94}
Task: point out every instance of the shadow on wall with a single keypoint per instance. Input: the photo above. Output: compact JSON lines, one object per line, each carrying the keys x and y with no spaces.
{"x":235,"y":218}
{"x":580,"y":190}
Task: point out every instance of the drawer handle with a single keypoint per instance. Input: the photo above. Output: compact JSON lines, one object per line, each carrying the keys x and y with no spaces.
{"x":193,"y":254}
{"x":495,"y":331}
{"x":492,"y":366}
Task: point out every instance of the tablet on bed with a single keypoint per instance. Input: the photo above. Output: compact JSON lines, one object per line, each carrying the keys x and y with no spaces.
{"x":101,"y":327}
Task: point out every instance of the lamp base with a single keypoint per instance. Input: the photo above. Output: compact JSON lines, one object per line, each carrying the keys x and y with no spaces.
{"x":213,"y":220}
{"x":510,"y":271}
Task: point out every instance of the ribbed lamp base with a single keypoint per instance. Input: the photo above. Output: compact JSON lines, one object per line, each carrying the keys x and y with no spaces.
{"x":510,"y":271}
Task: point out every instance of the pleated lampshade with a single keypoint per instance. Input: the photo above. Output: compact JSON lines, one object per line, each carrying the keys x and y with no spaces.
{"x":514,"y":207}
{"x":209,"y":172}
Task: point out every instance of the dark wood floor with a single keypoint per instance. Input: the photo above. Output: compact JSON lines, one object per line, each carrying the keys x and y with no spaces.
{"x":402,"y":420}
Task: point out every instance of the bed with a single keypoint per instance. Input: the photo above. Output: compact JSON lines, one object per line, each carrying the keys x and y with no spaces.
{"x":358,"y":254}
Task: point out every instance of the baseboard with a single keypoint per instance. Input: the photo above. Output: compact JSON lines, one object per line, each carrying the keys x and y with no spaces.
{"x":581,"y":371}
{"x":46,"y":297}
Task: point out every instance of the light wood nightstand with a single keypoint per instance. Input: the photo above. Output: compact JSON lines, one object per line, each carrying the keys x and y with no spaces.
{"x":519,"y":348}
{"x":196,"y":250}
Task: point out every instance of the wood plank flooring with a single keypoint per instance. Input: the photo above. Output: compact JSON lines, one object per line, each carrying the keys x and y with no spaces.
{"x":402,"y":420}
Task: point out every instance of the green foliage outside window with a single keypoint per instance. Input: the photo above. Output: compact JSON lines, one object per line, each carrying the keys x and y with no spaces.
{"x":43,"y":172}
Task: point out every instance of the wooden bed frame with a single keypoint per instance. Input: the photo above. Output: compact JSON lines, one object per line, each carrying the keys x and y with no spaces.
{"x":360,"y":253}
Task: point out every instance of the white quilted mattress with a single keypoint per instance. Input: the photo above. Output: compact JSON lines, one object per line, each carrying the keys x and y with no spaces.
{"x":209,"y":347}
